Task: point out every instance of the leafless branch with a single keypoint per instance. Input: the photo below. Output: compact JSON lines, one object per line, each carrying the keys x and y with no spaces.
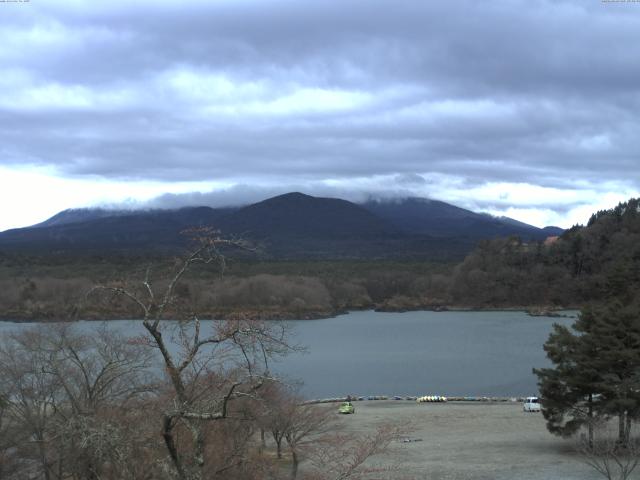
{"x":606,"y":455}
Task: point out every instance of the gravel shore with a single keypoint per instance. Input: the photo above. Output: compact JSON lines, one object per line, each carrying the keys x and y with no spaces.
{"x":471,"y":440}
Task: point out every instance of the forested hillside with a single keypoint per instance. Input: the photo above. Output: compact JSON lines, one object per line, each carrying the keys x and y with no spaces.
{"x":581,"y":266}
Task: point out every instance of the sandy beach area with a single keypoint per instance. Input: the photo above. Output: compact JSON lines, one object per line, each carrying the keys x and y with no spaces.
{"x":471,"y":440}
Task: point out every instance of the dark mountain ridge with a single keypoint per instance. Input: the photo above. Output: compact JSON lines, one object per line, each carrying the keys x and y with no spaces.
{"x":135,"y":230}
{"x":300,"y":215}
{"x":75,"y":215}
{"x":293,"y":225}
{"x":424,"y":216}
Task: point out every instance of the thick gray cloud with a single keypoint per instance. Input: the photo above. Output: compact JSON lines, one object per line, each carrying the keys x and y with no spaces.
{"x":242,"y":194}
{"x":286,"y":93}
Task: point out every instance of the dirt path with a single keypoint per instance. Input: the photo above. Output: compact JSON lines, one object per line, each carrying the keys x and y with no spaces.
{"x":476,"y":441}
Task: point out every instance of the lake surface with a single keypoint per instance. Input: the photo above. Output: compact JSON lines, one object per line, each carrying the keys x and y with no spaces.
{"x":412,"y":353}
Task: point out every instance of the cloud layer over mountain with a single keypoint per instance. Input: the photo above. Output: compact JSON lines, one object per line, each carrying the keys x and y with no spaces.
{"x":532,"y":105}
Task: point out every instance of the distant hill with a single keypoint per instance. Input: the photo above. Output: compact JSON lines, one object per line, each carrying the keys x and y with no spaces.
{"x":186,"y":215}
{"x":93,"y":231}
{"x":300,"y":215}
{"x":293,"y":225}
{"x":423,"y":216}
{"x":553,"y":231}
{"x":75,"y":215}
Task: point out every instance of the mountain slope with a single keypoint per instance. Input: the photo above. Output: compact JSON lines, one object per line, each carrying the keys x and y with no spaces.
{"x":154,"y":230}
{"x":76,"y":215}
{"x":299,"y":215}
{"x":423,"y":216}
{"x":293,"y":225}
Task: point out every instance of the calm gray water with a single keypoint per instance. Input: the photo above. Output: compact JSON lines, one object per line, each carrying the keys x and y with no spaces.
{"x":413,"y":353}
{"x":421,"y":353}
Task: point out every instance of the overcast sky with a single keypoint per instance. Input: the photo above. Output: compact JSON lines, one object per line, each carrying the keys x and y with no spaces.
{"x":528,"y":108}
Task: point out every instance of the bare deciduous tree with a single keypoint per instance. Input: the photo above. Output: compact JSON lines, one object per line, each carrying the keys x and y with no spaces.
{"x":284,"y":414}
{"x":306,"y":424}
{"x":606,"y":454}
{"x":212,"y":368}
{"x":9,"y":437}
{"x":345,"y":456}
{"x":60,"y":388}
{"x":31,"y":397}
{"x":313,"y":435}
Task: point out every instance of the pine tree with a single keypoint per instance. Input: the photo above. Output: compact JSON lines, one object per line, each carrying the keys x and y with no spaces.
{"x":612,"y":331}
{"x":596,"y":371}
{"x":569,"y":390}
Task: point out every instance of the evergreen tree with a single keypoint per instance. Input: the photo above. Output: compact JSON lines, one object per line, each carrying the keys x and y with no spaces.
{"x":596,"y":371}
{"x":614,"y":335}
{"x":569,"y":390}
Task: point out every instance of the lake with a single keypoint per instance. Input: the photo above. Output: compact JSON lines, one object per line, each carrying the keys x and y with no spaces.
{"x":412,"y":353}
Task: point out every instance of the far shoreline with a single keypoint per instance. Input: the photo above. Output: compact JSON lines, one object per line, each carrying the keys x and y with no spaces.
{"x":266,"y":315}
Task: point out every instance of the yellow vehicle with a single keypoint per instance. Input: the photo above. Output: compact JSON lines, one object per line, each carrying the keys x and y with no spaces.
{"x":346,"y":407}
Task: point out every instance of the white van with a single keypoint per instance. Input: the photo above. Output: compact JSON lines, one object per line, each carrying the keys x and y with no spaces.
{"x":531,"y":404}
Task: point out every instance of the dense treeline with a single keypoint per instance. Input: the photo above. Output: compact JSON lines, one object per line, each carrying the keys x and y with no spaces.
{"x":573,"y":270}
{"x":265,"y":289}
{"x":499,"y":273}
